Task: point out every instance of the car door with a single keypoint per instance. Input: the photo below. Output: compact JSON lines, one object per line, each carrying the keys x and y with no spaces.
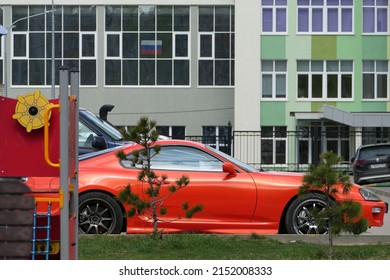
{"x":225,"y":198}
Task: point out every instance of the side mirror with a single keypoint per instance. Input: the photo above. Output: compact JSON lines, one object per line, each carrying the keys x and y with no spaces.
{"x":352,"y":159}
{"x":98,"y":142}
{"x":229,"y":168}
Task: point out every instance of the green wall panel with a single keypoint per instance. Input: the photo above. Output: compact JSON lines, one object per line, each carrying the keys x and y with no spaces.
{"x":349,"y":47}
{"x":273,"y":113}
{"x":374,"y":47}
{"x":317,"y":106}
{"x":388,"y":46}
{"x":368,"y":106}
{"x":273,"y":47}
{"x":324,"y":47}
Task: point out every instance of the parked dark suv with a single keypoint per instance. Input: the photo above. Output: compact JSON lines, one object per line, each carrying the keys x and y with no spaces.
{"x":371,"y":164}
{"x":96,"y":133}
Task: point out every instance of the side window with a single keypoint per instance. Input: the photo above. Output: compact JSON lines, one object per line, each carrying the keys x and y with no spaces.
{"x":180,"y":158}
{"x":85,"y":135}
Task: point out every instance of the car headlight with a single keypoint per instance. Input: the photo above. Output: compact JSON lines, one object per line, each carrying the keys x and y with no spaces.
{"x":368,"y":194}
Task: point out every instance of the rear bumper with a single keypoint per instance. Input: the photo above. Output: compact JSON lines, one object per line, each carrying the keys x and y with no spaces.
{"x":366,"y":179}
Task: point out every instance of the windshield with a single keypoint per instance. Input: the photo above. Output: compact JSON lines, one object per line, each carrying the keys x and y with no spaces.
{"x":105,"y":126}
{"x":235,"y":161}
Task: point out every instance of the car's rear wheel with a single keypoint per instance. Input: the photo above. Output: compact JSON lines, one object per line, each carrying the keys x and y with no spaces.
{"x":99,"y":213}
{"x":301,"y":218}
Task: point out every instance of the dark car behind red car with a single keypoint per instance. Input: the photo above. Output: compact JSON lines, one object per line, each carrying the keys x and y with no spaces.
{"x":371,"y":164}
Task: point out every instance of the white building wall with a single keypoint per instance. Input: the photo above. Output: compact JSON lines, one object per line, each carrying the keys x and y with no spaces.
{"x":247,"y":59}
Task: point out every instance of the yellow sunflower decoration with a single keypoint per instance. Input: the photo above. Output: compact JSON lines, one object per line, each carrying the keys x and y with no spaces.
{"x":30,"y":110}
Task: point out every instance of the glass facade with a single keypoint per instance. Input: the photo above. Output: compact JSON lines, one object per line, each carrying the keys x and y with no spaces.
{"x":216,"y":46}
{"x":144,"y":45}
{"x":75,"y":46}
{"x":147,"y":45}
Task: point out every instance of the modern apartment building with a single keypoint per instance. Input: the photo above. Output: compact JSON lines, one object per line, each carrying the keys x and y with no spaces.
{"x":306,"y":75}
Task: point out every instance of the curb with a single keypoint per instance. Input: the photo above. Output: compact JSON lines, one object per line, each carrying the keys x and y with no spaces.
{"x":337,"y":239}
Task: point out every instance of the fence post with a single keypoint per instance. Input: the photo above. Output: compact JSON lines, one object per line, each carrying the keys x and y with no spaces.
{"x":229,"y":138}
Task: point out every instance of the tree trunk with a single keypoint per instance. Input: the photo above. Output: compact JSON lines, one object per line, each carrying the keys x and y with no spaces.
{"x":330,"y":234}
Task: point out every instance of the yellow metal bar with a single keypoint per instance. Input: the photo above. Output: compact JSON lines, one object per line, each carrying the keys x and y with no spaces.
{"x":59,"y":199}
{"x":46,"y":136}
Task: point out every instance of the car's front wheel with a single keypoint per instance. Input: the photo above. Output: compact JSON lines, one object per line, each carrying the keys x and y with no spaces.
{"x":99,"y":213}
{"x":301,"y":215}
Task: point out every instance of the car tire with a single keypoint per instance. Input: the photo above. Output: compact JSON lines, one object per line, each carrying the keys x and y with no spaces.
{"x":299,"y":219}
{"x":99,"y":213}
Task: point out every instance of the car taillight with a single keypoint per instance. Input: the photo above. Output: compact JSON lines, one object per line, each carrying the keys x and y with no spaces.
{"x":360,"y":162}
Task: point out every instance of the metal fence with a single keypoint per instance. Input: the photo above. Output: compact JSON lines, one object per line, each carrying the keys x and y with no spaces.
{"x":292,"y":150}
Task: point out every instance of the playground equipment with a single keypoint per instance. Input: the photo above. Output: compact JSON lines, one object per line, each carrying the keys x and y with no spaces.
{"x":39,"y":139}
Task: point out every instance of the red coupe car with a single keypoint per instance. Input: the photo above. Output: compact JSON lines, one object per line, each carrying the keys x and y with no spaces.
{"x":236,"y":197}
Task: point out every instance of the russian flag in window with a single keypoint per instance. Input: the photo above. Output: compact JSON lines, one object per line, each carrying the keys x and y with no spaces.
{"x":151,"y":47}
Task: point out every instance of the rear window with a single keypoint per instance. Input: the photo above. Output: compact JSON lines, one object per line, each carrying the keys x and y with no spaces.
{"x":371,"y":152}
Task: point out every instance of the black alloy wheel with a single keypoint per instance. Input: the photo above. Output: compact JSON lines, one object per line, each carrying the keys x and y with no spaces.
{"x":99,"y":213}
{"x":301,"y":215}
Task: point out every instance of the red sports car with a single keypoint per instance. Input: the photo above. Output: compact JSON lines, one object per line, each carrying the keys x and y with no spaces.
{"x":236,"y":197}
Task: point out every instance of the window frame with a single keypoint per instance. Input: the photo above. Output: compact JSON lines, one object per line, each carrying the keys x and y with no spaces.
{"x":176,"y":33}
{"x":324,"y":74}
{"x":143,"y":60}
{"x":217,"y":144}
{"x":81,"y":45}
{"x":170,"y":129}
{"x":376,"y":8}
{"x":46,"y":57}
{"x":218,"y":64}
{"x":273,"y":74}
{"x":200,"y":57}
{"x":325,"y":15}
{"x":275,"y":139}
{"x":274,"y":7}
{"x":375,"y":73}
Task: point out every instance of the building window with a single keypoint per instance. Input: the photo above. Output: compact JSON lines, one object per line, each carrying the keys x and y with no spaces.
{"x":75,"y":43}
{"x":375,"y":79}
{"x":375,"y":16}
{"x":274,"y":15}
{"x":375,"y":135}
{"x":336,"y":139}
{"x":173,"y":132}
{"x":216,"y":46}
{"x":274,"y":79}
{"x":218,"y":137}
{"x":325,"y":79}
{"x":147,"y":45}
{"x":325,"y":16}
{"x":273,"y":145}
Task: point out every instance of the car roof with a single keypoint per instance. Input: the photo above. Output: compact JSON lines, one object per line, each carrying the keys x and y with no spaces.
{"x":374,"y":145}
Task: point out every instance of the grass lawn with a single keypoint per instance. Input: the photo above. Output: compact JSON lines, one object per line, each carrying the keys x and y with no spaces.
{"x":217,"y":247}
